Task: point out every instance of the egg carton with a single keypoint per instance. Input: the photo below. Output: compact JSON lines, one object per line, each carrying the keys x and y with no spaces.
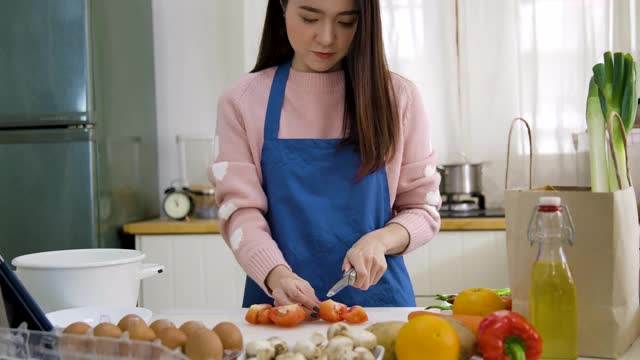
{"x":23,"y":344}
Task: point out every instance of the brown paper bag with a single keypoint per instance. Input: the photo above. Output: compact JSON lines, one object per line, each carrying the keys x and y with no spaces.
{"x":604,"y":260}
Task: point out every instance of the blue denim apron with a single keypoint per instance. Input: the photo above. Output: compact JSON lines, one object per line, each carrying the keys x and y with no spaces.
{"x":318,"y":210}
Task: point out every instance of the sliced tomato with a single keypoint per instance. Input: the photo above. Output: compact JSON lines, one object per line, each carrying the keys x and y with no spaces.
{"x":331,"y":311}
{"x":355,"y":315}
{"x":253,"y":315}
{"x":263,"y":316}
{"x":287,"y":315}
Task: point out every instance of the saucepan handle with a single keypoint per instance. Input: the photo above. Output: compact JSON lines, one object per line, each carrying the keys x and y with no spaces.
{"x":150,"y":269}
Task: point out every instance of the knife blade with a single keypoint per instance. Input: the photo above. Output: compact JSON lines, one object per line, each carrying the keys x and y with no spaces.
{"x":348,"y":278}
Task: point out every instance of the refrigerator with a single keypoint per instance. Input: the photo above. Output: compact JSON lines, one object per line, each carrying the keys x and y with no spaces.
{"x":78,"y":138}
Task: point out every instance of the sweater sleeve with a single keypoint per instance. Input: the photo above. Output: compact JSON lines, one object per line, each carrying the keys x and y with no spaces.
{"x":418,"y":197}
{"x":239,"y":194}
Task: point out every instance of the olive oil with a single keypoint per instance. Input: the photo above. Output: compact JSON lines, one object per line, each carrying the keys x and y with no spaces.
{"x":552,"y":295}
{"x":553,"y":312}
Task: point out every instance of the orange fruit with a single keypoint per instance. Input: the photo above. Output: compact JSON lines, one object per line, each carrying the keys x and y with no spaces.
{"x":478,"y":301}
{"x":427,"y":337}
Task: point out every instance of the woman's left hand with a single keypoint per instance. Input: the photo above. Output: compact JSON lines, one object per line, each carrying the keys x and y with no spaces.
{"x":367,"y":255}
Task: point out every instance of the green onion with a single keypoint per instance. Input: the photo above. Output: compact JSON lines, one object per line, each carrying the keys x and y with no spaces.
{"x":612,"y":90}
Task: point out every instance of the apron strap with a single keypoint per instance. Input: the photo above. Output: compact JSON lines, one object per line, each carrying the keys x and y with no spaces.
{"x":276,"y":98}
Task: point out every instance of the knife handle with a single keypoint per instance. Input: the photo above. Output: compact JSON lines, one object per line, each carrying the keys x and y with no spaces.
{"x":351,"y":274}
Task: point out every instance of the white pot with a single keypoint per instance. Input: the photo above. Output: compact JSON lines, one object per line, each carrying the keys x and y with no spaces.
{"x":86,"y":277}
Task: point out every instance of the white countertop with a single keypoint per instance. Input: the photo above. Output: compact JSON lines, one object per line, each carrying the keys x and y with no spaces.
{"x":211,"y":317}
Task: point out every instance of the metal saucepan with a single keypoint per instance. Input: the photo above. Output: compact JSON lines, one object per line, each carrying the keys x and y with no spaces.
{"x":463,"y":178}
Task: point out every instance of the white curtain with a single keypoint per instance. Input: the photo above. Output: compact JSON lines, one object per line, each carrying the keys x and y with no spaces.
{"x":480,"y":63}
{"x":420,"y":38}
{"x":533,"y":58}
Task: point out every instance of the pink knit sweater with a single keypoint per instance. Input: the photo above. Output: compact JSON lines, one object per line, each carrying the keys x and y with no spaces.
{"x":313,"y":108}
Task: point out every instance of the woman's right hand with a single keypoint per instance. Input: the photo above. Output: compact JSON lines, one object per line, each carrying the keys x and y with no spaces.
{"x":289,"y":288}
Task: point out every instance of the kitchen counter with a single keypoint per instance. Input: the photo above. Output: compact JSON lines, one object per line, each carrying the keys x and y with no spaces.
{"x":203,"y":226}
{"x":168,"y":226}
{"x":473,"y":224}
{"x":252,"y":332}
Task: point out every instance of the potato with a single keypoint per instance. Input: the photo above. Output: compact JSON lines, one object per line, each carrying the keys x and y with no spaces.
{"x":466,"y":336}
{"x":386,"y":333}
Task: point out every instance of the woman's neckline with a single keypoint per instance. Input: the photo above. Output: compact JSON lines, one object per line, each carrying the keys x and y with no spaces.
{"x":317,"y":81}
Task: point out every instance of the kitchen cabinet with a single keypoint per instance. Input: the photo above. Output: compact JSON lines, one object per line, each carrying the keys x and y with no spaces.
{"x":201,"y":271}
{"x":456,"y":260}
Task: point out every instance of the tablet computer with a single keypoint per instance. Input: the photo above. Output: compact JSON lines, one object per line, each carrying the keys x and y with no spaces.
{"x":16,"y":305}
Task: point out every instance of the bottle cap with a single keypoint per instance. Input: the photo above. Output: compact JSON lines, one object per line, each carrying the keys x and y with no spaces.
{"x":550,"y":201}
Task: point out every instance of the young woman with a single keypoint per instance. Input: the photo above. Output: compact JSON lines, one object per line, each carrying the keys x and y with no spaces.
{"x":324,"y":161}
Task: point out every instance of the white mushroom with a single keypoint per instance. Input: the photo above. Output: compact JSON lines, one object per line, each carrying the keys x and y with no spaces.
{"x":363,"y":353}
{"x":318,"y":338}
{"x":344,"y":354}
{"x":261,"y":349}
{"x":279,"y":345}
{"x":338,"y":329}
{"x":307,"y":348}
{"x":337,"y":346}
{"x":364,"y":338}
{"x":291,"y":356}
{"x":266,"y":354}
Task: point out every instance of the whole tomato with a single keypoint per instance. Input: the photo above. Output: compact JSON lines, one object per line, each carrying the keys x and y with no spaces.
{"x":478,"y":301}
{"x":508,"y":302}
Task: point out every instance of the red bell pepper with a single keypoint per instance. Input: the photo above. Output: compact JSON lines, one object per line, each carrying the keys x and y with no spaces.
{"x":506,"y":335}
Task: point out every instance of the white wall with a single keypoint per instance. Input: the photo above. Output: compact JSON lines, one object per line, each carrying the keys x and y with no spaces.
{"x":188,"y":42}
{"x":202,"y":46}
{"x":190,"y":36}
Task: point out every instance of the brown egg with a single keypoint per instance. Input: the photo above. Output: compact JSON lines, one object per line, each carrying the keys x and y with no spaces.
{"x":107,"y":330}
{"x":127,"y":320}
{"x":105,"y":333}
{"x":189,"y":326}
{"x":172,"y":337}
{"x":160,"y":324}
{"x":73,"y":340}
{"x":140,"y":331}
{"x":203,"y":344}
{"x":229,"y":335}
{"x":77,"y":328}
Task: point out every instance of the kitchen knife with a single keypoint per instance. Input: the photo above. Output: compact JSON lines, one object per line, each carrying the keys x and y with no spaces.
{"x":348,"y":278}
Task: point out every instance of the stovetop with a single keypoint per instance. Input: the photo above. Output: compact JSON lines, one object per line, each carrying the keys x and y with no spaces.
{"x":477,"y":213}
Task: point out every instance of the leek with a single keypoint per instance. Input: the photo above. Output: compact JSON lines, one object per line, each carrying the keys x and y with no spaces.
{"x":597,"y":141}
{"x":612,"y":91}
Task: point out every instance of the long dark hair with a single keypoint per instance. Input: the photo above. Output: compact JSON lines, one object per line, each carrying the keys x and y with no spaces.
{"x":370,"y":111}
